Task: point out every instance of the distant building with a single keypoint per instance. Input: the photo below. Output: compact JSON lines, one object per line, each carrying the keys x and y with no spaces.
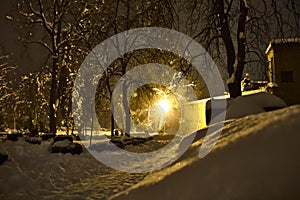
{"x":284,"y":69}
{"x":247,"y":84}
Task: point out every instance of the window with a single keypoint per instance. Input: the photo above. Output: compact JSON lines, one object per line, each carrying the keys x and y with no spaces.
{"x":287,"y":76}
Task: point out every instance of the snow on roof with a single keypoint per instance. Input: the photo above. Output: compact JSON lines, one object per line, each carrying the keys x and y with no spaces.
{"x":282,"y":41}
{"x":285,"y":40}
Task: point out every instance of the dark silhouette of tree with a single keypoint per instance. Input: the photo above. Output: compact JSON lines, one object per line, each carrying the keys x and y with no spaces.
{"x":53,"y":20}
{"x":238,"y":32}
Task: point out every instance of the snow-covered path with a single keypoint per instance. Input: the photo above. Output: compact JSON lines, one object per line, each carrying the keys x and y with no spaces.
{"x":33,"y":173}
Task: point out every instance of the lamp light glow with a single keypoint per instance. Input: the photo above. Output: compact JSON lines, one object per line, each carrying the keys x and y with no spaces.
{"x":164,"y":105}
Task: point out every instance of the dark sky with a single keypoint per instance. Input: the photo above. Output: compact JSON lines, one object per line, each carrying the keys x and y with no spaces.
{"x":30,"y":59}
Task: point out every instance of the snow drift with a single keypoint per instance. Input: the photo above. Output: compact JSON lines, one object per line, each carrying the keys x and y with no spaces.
{"x":257,"y":157}
{"x":253,"y":104}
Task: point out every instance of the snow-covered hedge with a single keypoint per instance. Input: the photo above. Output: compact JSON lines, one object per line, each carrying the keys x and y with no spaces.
{"x":66,"y":146}
{"x":33,"y":140}
{"x":47,"y":136}
{"x":14,"y":136}
{"x":62,"y":138}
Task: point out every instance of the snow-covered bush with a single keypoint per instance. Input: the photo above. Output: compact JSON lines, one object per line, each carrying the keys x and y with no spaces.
{"x":66,"y":146}
{"x":47,"y":136}
{"x":62,"y":138}
{"x":33,"y":140}
{"x":13,"y":137}
{"x":3,"y":157}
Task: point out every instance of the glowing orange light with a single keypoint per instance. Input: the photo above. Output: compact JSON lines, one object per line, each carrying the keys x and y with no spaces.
{"x":164,"y":105}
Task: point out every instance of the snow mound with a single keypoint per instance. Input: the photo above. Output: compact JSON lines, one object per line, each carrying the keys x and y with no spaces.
{"x":253,"y":104}
{"x":257,"y":157}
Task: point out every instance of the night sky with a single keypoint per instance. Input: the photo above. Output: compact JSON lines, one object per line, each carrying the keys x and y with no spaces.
{"x":29,"y":59}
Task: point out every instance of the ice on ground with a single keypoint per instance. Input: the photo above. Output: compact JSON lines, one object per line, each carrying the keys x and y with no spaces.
{"x":257,"y":157}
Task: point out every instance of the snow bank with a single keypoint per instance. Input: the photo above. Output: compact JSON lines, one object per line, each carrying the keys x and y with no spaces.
{"x":252,"y":104}
{"x":257,"y":157}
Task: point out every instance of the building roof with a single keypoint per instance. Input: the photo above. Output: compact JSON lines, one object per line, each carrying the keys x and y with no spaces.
{"x":282,"y":41}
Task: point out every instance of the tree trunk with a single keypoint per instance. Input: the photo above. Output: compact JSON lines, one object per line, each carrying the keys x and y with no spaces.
{"x":52,"y":102}
{"x":126,"y":109}
{"x":235,"y":88}
{"x":227,"y":39}
{"x":112,"y":125}
{"x":56,"y":39}
{"x":234,"y":72}
{"x":92,"y":126}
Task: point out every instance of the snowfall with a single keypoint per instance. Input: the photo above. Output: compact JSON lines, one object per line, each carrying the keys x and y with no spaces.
{"x":256,"y":157}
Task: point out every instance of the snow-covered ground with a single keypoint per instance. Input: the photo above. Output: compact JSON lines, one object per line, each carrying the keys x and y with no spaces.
{"x":32,"y":172}
{"x":256,"y":157}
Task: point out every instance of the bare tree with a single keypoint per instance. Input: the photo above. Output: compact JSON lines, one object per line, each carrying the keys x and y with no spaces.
{"x":53,"y":20}
{"x":268,"y":20}
{"x":121,"y":15}
{"x":239,"y":32}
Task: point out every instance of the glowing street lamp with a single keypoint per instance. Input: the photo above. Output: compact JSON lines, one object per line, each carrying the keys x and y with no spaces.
{"x":164,"y":107}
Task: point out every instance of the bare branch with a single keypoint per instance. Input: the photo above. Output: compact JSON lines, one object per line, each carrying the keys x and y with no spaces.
{"x":42,"y":43}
